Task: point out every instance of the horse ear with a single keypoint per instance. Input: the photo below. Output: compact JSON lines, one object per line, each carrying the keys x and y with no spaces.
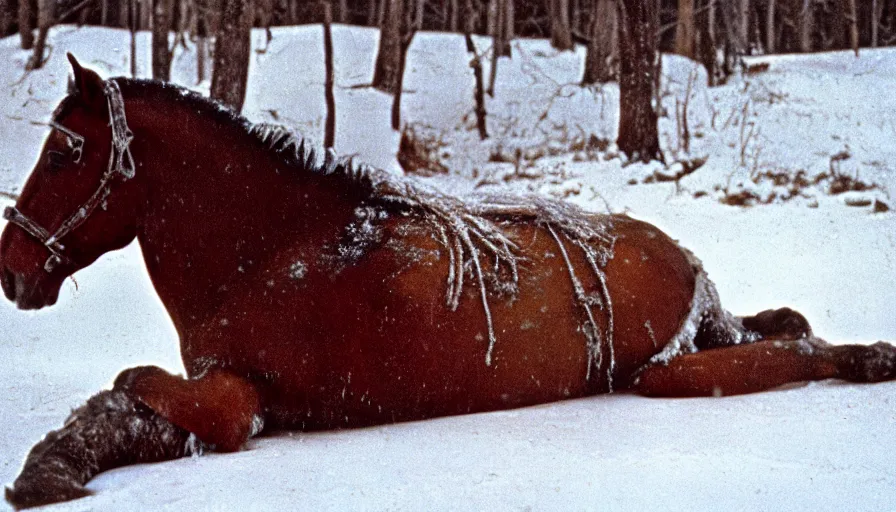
{"x":87,"y":83}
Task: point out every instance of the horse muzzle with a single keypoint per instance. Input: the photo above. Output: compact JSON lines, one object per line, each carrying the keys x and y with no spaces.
{"x":25,"y":295}
{"x":8,"y":283}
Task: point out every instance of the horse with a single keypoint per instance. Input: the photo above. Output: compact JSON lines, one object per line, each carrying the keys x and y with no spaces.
{"x":312,"y":292}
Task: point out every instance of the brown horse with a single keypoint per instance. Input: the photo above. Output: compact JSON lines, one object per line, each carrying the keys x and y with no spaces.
{"x":311,"y":293}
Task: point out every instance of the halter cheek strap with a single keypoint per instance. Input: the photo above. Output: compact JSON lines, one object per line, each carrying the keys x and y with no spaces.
{"x":121,"y":162}
{"x":14,"y":216}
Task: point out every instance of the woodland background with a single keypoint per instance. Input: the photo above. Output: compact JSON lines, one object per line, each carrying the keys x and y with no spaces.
{"x":623,"y":39}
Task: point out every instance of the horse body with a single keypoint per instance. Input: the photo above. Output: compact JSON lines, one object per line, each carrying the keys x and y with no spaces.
{"x":260,"y":283}
{"x":313,"y":294}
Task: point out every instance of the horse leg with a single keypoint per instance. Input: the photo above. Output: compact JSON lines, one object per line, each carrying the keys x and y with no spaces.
{"x":109,"y":431}
{"x":720,"y":329}
{"x":222,"y":409}
{"x":748,"y":368}
{"x":149,"y":416}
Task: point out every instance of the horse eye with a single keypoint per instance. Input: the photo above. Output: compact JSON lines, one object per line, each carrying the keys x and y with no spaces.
{"x":55,"y":159}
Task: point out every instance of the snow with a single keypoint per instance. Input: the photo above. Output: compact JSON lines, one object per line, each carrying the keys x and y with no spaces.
{"x":823,"y":446}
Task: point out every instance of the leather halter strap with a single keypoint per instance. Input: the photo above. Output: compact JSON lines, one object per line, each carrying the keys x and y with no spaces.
{"x":121,"y":162}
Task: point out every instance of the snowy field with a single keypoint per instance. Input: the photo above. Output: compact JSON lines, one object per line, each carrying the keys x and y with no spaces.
{"x":823,"y":446}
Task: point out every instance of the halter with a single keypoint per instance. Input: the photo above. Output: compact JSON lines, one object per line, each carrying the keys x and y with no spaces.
{"x":121,"y":162}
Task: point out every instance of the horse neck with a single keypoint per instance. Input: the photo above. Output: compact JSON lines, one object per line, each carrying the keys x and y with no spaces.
{"x":218,"y":207}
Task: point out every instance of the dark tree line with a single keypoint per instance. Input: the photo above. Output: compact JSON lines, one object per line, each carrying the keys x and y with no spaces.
{"x":623,"y":37}
{"x":756,"y":25}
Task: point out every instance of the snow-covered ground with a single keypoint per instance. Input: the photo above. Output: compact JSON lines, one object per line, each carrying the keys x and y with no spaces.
{"x":824,"y":446}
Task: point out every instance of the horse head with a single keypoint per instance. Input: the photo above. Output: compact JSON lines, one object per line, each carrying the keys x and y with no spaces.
{"x":79,"y":201}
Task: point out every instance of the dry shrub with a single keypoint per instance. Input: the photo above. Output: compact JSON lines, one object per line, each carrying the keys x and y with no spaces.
{"x":419,"y":151}
{"x":789,"y":185}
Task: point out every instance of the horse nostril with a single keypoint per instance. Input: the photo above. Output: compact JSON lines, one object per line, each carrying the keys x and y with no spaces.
{"x":8,"y":283}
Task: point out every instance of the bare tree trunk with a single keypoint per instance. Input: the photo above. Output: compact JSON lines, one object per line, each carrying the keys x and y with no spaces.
{"x":770,"y":28}
{"x":743,"y":25}
{"x":396,"y":101}
{"x":497,"y":45}
{"x":46,"y":15}
{"x":408,"y":30}
{"x":132,"y":23}
{"x":232,"y":45}
{"x":705,"y":41}
{"x":453,"y":15}
{"x":479,"y":91}
{"x":736,"y":40}
{"x":5,"y":20}
{"x":838,"y":38}
{"x":371,"y":12}
{"x":684,"y":30}
{"x":343,"y":12}
{"x":602,"y":55}
{"x":124,"y":14}
{"x":201,"y":46}
{"x":386,"y":74}
{"x":875,"y":21}
{"x":505,"y":27}
{"x":330,"y":128}
{"x":500,"y":44}
{"x":638,"y":134}
{"x":470,"y":17}
{"x":418,"y":13}
{"x":104,"y":13}
{"x":561,"y":35}
{"x":509,"y":24}
{"x":163,"y":14}
{"x":853,"y":27}
{"x":26,"y":28}
{"x":145,"y":14}
{"x":805,"y":22}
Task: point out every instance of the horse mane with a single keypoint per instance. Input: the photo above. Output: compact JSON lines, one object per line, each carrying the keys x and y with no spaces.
{"x":470,"y":230}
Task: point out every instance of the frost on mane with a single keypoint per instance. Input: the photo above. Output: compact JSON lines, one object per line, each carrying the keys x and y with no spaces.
{"x":472,"y":235}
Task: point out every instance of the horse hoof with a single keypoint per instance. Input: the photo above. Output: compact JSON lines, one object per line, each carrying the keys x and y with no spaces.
{"x":45,"y":491}
{"x":874,"y":363}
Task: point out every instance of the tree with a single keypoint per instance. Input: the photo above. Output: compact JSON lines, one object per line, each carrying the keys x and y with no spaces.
{"x":408,"y":29}
{"x":46,"y":16}
{"x":162,"y":18}
{"x":386,"y":73}
{"x":26,"y":26}
{"x":705,"y":41}
{"x":638,"y":72}
{"x":561,"y":33}
{"x":853,"y":26}
{"x":479,"y":91}
{"x":500,"y":25}
{"x":329,"y":80}
{"x":232,"y":45}
{"x":806,"y":17}
{"x":602,"y":54}
{"x":133,"y":15}
{"x":735,"y":15}
{"x":500,"y":39}
{"x":684,"y":30}
{"x":5,"y":17}
{"x":876,"y":11}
